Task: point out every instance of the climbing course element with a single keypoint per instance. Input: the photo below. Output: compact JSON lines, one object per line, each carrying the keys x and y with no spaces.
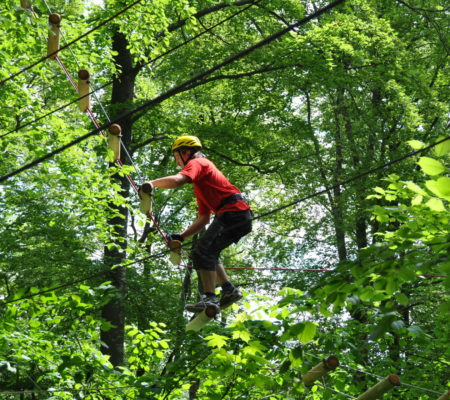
{"x":445,"y":396}
{"x":83,"y":89}
{"x":145,"y":194}
{"x":175,"y":252}
{"x":53,"y":36}
{"x":26,"y":4}
{"x":320,"y":370}
{"x":115,"y":133}
{"x":202,"y":318}
{"x":377,"y":391}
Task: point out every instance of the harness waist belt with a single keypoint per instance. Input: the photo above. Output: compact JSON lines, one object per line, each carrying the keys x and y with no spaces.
{"x":231,"y":199}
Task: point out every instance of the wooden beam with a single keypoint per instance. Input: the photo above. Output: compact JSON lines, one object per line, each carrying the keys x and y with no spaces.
{"x":380,"y":388}
{"x":145,"y":194}
{"x":175,"y":252}
{"x":115,"y":133}
{"x":53,"y":36}
{"x":320,"y":370}
{"x":202,"y":318}
{"x":25,"y":4}
{"x":445,"y":396}
{"x":83,"y":89}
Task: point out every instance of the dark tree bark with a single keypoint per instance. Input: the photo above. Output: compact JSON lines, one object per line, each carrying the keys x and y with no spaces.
{"x":338,"y":209}
{"x":113,"y":312}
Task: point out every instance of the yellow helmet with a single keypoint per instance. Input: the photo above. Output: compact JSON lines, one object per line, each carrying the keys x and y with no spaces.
{"x":186,"y":141}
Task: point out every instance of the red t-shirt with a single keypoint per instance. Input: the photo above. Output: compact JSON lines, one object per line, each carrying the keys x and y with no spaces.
{"x":211,"y":187}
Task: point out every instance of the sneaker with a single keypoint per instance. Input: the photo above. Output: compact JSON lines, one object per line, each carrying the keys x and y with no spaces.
{"x":228,"y":298}
{"x":202,"y":304}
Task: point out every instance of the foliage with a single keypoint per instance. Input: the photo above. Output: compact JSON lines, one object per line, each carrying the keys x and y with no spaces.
{"x":339,"y":96}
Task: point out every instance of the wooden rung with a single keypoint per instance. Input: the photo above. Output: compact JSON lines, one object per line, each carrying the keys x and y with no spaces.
{"x":175,"y":252}
{"x":320,"y":370}
{"x":115,"y":133}
{"x":26,"y":4}
{"x":145,"y":194}
{"x":83,"y":89}
{"x":375,"y":392}
{"x":202,"y":318}
{"x":445,"y":396}
{"x":53,"y":36}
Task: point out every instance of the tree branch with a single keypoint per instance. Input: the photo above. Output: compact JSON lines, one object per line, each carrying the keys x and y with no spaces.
{"x":198,"y":15}
{"x":247,"y":74}
{"x":421,"y":9}
{"x":273,"y":13}
{"x":213,"y":34}
{"x":146,"y":142}
{"x":238,"y":162}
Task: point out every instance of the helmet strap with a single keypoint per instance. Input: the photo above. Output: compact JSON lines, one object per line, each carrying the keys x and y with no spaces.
{"x":189,"y":158}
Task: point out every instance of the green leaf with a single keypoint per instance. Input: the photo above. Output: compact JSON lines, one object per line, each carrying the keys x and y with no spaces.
{"x":391,"y":286}
{"x":399,"y":324}
{"x":415,"y":330}
{"x":431,"y":166}
{"x":242,"y":334}
{"x":416,"y":144}
{"x":442,"y":148}
{"x":438,"y":187}
{"x":215,"y":340}
{"x":415,"y":188}
{"x":309,"y":331}
{"x":435,"y":204}
{"x":443,"y":185}
{"x":417,"y":200}
{"x":402,"y":299}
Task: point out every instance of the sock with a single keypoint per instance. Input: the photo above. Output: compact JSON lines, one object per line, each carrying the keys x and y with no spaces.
{"x":210,"y":296}
{"x":227,"y":287}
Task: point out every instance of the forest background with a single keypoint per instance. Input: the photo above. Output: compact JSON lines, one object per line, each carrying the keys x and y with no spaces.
{"x":336,"y":133}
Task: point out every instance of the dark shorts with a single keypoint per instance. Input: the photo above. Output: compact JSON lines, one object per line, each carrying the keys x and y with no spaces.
{"x":226,"y":229}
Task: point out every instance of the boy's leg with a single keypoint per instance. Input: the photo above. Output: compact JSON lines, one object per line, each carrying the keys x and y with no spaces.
{"x":222,"y":276}
{"x":208,"y":280}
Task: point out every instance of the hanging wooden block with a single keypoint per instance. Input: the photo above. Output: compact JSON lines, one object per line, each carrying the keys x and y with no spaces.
{"x":115,"y":133}
{"x":377,"y":391}
{"x":202,"y":318}
{"x":145,"y":194}
{"x":320,"y":370}
{"x":445,"y":396}
{"x":25,"y":4}
{"x":83,"y":89}
{"x":175,"y":252}
{"x":53,"y":36}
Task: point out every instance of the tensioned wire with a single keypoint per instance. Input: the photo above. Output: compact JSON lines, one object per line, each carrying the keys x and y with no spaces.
{"x":97,"y":124}
{"x":163,"y":253}
{"x":268,"y":213}
{"x":374,"y":375}
{"x":325,"y":190}
{"x":71,"y":42}
{"x":153,"y":60}
{"x":91,"y":114}
{"x":257,"y":217}
{"x":186,"y":85}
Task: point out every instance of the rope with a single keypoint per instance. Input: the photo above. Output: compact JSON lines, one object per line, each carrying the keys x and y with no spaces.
{"x":186,"y":85}
{"x":334,"y":390}
{"x":128,"y":74}
{"x":158,"y":255}
{"x":70,"y":43}
{"x":273,"y":269}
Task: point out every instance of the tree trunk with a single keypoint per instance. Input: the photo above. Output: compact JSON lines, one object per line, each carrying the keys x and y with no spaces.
{"x":338,"y":210}
{"x":113,"y":312}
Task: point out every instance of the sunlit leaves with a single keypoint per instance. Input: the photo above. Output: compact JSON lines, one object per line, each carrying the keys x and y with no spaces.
{"x":431,"y":166}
